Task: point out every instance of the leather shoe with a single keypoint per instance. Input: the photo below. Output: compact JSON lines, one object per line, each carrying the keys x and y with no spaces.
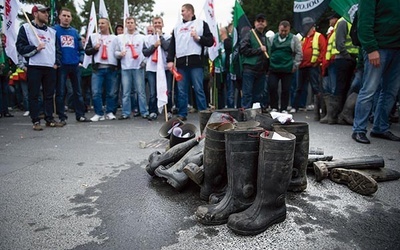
{"x":386,"y":135}
{"x":360,"y":137}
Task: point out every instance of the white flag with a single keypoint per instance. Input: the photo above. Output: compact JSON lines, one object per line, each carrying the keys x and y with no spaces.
{"x":162,"y":90}
{"x":9,"y":28}
{"x":126,"y":10}
{"x":210,"y":19}
{"x":102,"y":9}
{"x":92,"y":27}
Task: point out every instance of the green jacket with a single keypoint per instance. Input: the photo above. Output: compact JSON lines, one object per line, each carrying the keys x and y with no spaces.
{"x":379,"y":24}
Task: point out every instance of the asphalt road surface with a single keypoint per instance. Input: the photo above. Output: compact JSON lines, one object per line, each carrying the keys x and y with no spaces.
{"x":84,"y":186}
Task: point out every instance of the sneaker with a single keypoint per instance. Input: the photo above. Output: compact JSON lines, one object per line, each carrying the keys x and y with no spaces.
{"x":83,"y":119}
{"x":54,"y":124}
{"x":37,"y":126}
{"x":292,"y":110}
{"x":110,"y":116}
{"x":97,"y":118}
{"x":123,"y":117}
{"x":26,"y":113}
{"x":152,"y":116}
{"x":274,"y":110}
{"x":63,"y":122}
{"x":284,"y":112}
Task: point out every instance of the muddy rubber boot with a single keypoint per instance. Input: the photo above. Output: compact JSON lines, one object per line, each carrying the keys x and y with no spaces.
{"x":181,"y":134}
{"x":174,"y":154}
{"x":174,"y":174}
{"x":214,"y":161}
{"x":322,"y":168}
{"x":298,"y":182}
{"x":325,"y":109}
{"x":242,"y":149}
{"x":381,"y":174}
{"x":194,"y":172}
{"x":317,"y":107}
{"x":355,"y":180}
{"x":334,"y":108}
{"x":275,"y":163}
{"x":346,"y":117}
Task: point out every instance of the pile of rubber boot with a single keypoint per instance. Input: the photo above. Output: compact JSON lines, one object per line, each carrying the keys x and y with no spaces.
{"x":360,"y":174}
{"x":259,"y":167}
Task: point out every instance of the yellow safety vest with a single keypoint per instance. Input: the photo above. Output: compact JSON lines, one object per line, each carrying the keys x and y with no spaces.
{"x":352,"y":49}
{"x":315,"y":47}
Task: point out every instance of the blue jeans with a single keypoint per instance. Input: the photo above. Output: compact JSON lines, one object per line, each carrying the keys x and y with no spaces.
{"x":152,"y":80}
{"x":230,"y":92}
{"x":44,"y":77}
{"x":74,"y":74}
{"x":252,"y":88}
{"x":357,"y":81}
{"x":133,"y":79}
{"x":330,"y":84}
{"x":100,"y":77}
{"x":195,"y":77}
{"x":306,"y":75}
{"x":387,"y":78}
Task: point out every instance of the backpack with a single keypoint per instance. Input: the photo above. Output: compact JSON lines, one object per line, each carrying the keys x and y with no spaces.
{"x":354,"y":31}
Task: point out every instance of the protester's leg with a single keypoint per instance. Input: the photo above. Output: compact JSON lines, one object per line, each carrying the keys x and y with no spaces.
{"x":98,"y":77}
{"x":197,"y":76}
{"x":49,"y":84}
{"x":62,"y":74}
{"x":286,"y":80}
{"x":247,"y":89}
{"x":111,"y":90}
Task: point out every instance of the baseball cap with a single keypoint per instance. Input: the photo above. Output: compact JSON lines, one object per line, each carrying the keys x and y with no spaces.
{"x":334,"y":15}
{"x":39,"y":7}
{"x":261,"y":16}
{"x":308,"y":20}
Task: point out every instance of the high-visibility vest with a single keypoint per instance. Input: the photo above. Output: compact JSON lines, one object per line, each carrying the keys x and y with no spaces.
{"x":331,"y":42}
{"x":315,"y":47}
{"x":352,"y":49}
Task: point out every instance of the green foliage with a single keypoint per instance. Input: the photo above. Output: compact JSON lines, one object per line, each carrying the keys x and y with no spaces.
{"x":139,"y":9}
{"x":76,"y":21}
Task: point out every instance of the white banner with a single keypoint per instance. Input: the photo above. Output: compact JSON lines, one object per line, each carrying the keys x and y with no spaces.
{"x":210,"y":19}
{"x":162,"y":90}
{"x":9,"y":28}
{"x":92,"y":27}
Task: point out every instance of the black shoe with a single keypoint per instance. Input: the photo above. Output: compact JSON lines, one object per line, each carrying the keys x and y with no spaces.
{"x":8,"y":115}
{"x":387,"y":136}
{"x":123,"y":117}
{"x":83,"y":119}
{"x":182,"y":118}
{"x":360,"y":137}
{"x":54,"y":124}
{"x":136,"y":114}
{"x":63,"y":122}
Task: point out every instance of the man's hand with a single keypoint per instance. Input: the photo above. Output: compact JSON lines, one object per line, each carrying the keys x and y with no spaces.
{"x":41,"y":46}
{"x":374,"y":58}
{"x":263,"y":48}
{"x":123,"y":53}
{"x":170,"y":65}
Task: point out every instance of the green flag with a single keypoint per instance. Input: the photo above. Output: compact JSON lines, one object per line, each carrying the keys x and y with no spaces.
{"x":53,"y":12}
{"x":345,"y":8}
{"x":241,"y":26}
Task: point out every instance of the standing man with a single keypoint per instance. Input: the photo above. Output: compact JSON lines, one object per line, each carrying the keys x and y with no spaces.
{"x":153,"y":41}
{"x":314,"y":50}
{"x":71,"y":48}
{"x":37,"y":43}
{"x":129,"y":49}
{"x":102,"y":46}
{"x":187,"y":44}
{"x":285,"y":58}
{"x":255,"y":63}
{"x":381,"y":48}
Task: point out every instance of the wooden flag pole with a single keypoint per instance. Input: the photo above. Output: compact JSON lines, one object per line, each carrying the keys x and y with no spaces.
{"x":259,"y":42}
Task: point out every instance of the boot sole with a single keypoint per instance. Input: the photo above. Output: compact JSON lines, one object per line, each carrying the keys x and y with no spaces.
{"x":260,"y":230}
{"x":171,"y":181}
{"x":355,"y":180}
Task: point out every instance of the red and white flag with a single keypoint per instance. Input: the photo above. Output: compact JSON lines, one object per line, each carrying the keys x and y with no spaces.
{"x":162,"y":90}
{"x":92,"y":27}
{"x":126,"y":10}
{"x":210,"y":19}
{"x":9,"y":27}
{"x":102,"y":9}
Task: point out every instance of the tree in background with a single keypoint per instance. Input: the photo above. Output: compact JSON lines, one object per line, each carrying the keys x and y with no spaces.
{"x":76,"y":22}
{"x":139,"y":9}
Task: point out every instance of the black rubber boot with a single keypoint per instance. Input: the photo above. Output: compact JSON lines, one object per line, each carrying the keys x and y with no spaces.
{"x":274,"y":171}
{"x":334,"y":108}
{"x":174,"y":154}
{"x":346,"y":117}
{"x":242,"y":149}
{"x":298,"y":182}
{"x":174,"y":174}
{"x":317,"y":107}
{"x":194,"y":172}
{"x":326,"y":108}
{"x":214,"y":162}
{"x":356,"y":181}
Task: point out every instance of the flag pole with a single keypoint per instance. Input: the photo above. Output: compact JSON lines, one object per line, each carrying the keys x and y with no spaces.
{"x":30,"y":24}
{"x":259,"y":42}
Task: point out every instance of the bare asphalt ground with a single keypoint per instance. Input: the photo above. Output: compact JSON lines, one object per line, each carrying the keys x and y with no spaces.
{"x":84,"y":186}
